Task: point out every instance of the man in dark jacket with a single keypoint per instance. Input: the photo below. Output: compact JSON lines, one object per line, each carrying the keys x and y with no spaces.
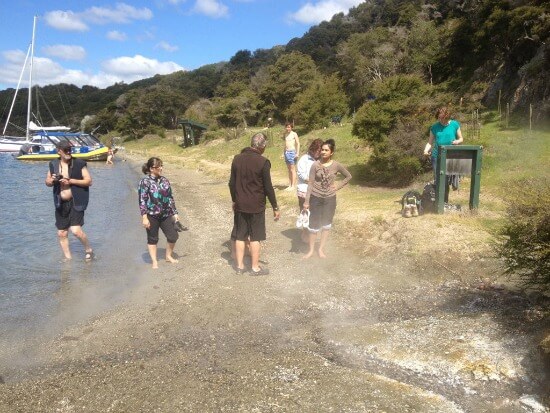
{"x":71,"y":181}
{"x":249,"y":184}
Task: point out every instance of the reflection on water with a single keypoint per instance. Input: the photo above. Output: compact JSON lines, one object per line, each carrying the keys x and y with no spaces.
{"x":39,"y":294}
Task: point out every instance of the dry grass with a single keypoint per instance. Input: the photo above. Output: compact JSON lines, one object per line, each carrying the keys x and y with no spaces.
{"x":369,"y":218}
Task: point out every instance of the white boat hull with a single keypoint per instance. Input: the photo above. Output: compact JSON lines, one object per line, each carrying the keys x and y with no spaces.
{"x":11,"y":144}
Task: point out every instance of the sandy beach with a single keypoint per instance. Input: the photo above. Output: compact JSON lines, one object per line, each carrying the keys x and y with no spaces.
{"x":356,"y":332}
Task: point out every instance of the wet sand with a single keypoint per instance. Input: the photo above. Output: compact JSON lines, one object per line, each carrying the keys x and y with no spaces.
{"x":353,"y":332}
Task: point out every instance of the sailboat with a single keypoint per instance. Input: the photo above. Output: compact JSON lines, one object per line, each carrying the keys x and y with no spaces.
{"x":40,"y":142}
{"x":14,"y":143}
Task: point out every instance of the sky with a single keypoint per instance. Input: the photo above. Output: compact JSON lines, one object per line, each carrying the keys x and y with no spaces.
{"x":100,"y":43}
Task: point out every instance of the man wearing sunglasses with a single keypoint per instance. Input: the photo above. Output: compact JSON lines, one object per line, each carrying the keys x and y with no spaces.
{"x":71,"y":183}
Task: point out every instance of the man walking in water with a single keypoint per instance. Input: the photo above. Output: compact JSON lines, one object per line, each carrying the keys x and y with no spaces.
{"x":291,"y":154}
{"x":249,"y":184}
{"x":71,"y":183}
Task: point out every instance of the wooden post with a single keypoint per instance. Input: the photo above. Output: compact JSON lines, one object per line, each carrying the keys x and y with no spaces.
{"x":499,"y":108}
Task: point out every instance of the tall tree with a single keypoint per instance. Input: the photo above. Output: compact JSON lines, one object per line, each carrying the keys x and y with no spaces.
{"x":291,"y":75}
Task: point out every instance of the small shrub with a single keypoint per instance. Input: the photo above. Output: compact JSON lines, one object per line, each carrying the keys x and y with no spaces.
{"x":525,"y":247}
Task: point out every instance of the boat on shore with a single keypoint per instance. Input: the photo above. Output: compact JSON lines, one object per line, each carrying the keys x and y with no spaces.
{"x":32,"y":131}
{"x":84,"y":146}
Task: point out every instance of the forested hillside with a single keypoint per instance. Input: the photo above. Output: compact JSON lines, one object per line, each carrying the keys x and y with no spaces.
{"x":387,"y":63}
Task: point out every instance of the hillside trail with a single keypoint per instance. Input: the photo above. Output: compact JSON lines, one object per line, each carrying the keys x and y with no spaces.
{"x":350,"y":333}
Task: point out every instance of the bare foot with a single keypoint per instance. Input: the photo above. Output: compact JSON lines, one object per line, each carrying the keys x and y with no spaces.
{"x":308,"y":255}
{"x":172,"y":260}
{"x":322,"y":254}
{"x":155,"y":265}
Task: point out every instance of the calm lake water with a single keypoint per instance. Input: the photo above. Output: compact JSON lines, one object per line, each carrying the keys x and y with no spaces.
{"x":40,"y":295}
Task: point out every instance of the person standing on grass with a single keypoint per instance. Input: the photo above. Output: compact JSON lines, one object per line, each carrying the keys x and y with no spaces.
{"x":445,"y":131}
{"x":158,"y":209}
{"x":249,"y":185}
{"x":321,"y":195}
{"x":303,"y":168}
{"x":290,"y":154}
{"x":71,"y":183}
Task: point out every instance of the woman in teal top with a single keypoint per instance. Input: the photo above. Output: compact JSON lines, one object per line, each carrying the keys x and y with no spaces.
{"x":445,"y":131}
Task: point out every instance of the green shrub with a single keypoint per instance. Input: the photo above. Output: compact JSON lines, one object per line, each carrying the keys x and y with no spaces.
{"x":525,"y":247}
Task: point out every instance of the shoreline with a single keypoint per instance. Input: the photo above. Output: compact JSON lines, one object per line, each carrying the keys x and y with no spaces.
{"x":353,"y":332}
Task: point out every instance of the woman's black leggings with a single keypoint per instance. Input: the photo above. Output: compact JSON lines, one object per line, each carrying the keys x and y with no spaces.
{"x":167,"y":226}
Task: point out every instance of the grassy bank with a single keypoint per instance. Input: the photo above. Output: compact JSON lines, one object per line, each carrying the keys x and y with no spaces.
{"x":372,"y":214}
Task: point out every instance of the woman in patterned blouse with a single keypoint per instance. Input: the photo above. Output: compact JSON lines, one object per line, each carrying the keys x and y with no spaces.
{"x":158,"y":209}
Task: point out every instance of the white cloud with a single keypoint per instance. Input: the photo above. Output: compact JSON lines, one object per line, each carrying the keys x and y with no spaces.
{"x":122,"y":13}
{"x":138,"y":67}
{"x":65,"y":20}
{"x":211,"y":8}
{"x":116,"y":35}
{"x":313,"y":13}
{"x":48,"y":72}
{"x":166,"y":46}
{"x":10,"y":69}
{"x":176,"y":2}
{"x":66,"y":52}
{"x":73,"y":21}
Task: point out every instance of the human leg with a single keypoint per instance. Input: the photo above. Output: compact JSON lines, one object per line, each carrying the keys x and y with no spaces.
{"x":311,"y":243}
{"x":289,"y":167}
{"x":76,"y":221}
{"x":315,"y":204}
{"x":257,"y":233}
{"x":152,"y":240}
{"x":239,"y":254}
{"x":152,"y":248}
{"x":324,"y":237}
{"x":240,"y":236}
{"x":167,"y":226}
{"x":63,"y":236}
{"x":255,"y":255}
{"x":328,"y":209}
{"x":78,"y":232}
{"x":62,"y":223}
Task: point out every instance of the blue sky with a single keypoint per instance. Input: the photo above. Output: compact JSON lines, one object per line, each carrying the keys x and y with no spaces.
{"x":99,"y":43}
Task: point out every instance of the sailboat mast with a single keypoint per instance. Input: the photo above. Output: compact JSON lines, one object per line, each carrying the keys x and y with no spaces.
{"x":16,"y":90}
{"x":30,"y":79}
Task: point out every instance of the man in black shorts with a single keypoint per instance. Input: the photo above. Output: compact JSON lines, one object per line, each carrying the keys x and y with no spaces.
{"x":249,"y":184}
{"x":71,"y":182}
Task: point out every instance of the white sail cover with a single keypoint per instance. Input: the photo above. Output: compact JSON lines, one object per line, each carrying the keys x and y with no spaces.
{"x":34,"y":127}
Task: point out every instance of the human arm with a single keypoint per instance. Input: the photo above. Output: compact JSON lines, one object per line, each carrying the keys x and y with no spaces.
{"x":51,"y":175}
{"x":143,"y":200}
{"x":302,"y":168}
{"x":170,"y":207}
{"x":297,"y":140}
{"x":232,"y":180}
{"x":49,"y":179}
{"x":347,"y":176}
{"x":311,"y":179}
{"x":459,"y":139}
{"x":268,"y":188}
{"x":428,"y":147}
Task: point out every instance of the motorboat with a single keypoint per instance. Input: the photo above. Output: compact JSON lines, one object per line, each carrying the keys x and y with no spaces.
{"x":43,"y":146}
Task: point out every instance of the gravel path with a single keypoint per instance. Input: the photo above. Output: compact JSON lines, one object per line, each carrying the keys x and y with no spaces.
{"x":352,"y":333}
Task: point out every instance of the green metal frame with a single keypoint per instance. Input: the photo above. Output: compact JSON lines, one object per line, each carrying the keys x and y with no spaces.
{"x":189,"y":127}
{"x":472,"y":152}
